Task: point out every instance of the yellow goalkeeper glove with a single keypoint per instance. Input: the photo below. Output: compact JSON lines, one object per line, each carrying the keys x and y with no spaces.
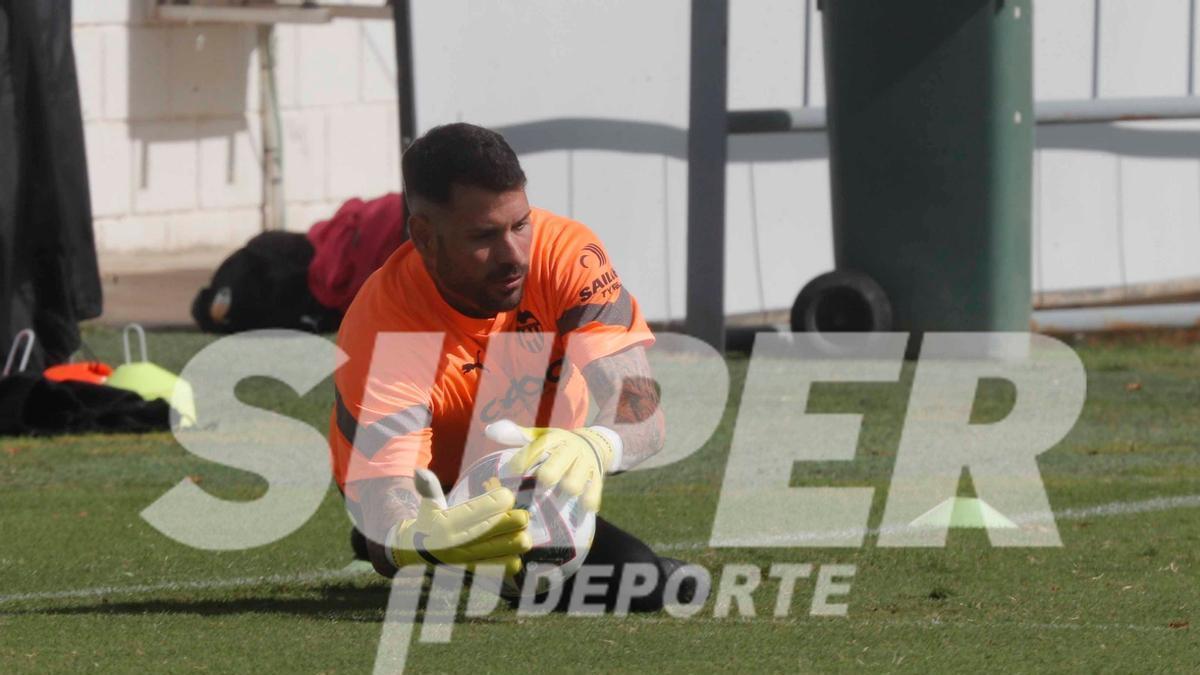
{"x":486,"y":530}
{"x":575,"y":460}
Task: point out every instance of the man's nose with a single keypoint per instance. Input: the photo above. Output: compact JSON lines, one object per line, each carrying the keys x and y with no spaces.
{"x":509,"y":252}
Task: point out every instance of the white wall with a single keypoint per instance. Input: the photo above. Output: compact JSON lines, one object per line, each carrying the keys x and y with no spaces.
{"x":594,"y":95}
{"x":1113,"y":205}
{"x":603,"y":88}
{"x":173,"y":124}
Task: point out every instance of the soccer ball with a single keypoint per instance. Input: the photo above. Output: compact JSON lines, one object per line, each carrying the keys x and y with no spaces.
{"x":560,"y":527}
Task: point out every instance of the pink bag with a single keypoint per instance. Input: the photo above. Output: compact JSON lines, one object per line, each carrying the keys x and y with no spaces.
{"x":353,"y":244}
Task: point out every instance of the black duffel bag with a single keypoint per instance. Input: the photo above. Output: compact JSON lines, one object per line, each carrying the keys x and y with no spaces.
{"x":264,"y":285}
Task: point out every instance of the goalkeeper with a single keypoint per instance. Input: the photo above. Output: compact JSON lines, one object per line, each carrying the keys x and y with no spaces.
{"x":493,"y":311}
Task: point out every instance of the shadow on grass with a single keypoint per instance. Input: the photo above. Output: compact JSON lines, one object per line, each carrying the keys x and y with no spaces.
{"x":342,"y":602}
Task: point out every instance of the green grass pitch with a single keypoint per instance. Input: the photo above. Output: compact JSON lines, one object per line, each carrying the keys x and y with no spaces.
{"x":87,"y":585}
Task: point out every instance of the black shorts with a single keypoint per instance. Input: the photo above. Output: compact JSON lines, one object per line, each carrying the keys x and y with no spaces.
{"x":612,"y":546}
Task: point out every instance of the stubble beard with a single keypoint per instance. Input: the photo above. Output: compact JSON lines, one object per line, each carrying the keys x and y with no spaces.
{"x":482,"y":304}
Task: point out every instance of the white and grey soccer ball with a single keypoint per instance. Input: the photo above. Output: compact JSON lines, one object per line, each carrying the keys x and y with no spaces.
{"x":561,"y":528}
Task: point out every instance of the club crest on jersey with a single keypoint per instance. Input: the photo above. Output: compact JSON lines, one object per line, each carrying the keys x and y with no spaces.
{"x":604,"y":285}
{"x":592,"y":256}
{"x":529,"y":332}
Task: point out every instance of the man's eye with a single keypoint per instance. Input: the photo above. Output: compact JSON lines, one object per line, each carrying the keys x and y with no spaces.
{"x":521,"y":225}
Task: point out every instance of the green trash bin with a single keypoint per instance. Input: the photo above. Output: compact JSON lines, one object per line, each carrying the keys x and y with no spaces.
{"x":931,"y":132}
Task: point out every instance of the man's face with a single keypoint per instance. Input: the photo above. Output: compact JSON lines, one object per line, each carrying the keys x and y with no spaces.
{"x":477,"y":248}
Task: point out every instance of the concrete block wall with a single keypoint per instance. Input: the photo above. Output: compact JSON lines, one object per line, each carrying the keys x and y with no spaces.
{"x":172,"y":118}
{"x":341,"y":136}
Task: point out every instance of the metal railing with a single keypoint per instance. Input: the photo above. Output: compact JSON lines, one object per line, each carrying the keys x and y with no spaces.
{"x":799,"y":120}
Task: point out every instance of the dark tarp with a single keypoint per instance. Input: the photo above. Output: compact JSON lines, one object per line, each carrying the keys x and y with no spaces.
{"x":48,"y":274}
{"x":32,"y":405}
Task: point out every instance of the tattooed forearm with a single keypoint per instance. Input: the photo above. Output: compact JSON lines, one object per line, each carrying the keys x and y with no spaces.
{"x":627,"y":397}
{"x":385,"y":502}
{"x":638,"y":400}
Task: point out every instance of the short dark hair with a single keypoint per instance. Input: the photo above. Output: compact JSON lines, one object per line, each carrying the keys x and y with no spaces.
{"x":460,"y":153}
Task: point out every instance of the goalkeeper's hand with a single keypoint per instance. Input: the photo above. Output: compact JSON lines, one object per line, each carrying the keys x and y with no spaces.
{"x":576,"y":459}
{"x":486,"y":530}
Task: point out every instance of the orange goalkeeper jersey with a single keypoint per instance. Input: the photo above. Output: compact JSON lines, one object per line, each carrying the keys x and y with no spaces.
{"x":421,"y":380}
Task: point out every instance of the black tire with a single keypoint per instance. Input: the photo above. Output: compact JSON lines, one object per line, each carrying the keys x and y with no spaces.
{"x":842,"y":301}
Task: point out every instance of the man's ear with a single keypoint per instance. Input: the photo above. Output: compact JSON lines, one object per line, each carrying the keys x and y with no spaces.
{"x":422,"y":234}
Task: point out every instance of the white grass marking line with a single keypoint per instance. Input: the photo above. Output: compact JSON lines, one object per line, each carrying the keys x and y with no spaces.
{"x":1130,"y":508}
{"x":349,"y":572}
{"x":1109,"y":510}
{"x":358,"y":568}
